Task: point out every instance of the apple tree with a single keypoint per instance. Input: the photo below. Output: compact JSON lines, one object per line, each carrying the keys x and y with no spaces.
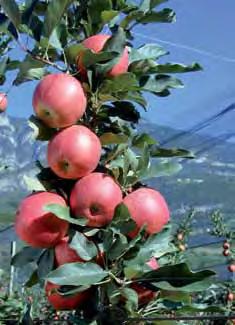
{"x":100,"y":240}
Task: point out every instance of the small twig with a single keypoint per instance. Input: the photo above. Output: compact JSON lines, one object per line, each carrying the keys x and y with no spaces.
{"x":65,"y":61}
{"x":39,"y":58}
{"x":117,"y":280}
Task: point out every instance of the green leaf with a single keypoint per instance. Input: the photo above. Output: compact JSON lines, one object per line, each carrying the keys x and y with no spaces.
{"x":148,"y":51}
{"x":124,"y":110}
{"x":118,"y":150}
{"x":11,"y":8}
{"x":176,"y":68}
{"x":144,"y":160}
{"x":194,"y":287}
{"x":118,"y":246}
{"x":40,"y":130}
{"x":176,"y":296}
{"x":113,"y":293}
{"x":108,"y":15}
{"x":54,"y":13}
{"x":85,"y":248}
{"x":77,"y":274}
{"x":45,"y":263}
{"x":140,"y":139}
{"x":3,"y":66}
{"x":90,"y":58}
{"x":138,"y":98}
{"x":116,"y":43}
{"x":121,"y":83}
{"x":164,"y":16}
{"x":122,"y":221}
{"x":54,"y":39}
{"x":30,"y":69}
{"x":160,"y":170}
{"x":159,"y":83}
{"x":130,"y":163}
{"x":156,"y":246}
{"x":174,"y":152}
{"x":177,"y":277}
{"x":13,"y":65}
{"x":147,"y":5}
{"x":112,"y":138}
{"x":33,"y":184}
{"x":33,"y":280}
{"x":73,"y":51}
{"x":64,"y":214}
{"x":154,"y":3}
{"x":25,"y":256}
{"x":95,"y":10}
{"x":131,"y":299}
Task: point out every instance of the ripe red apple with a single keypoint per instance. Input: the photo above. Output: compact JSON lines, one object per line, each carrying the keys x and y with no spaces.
{"x":3,"y":102}
{"x":96,"y":43}
{"x":59,"y":100}
{"x":153,"y":264}
{"x":226,"y":245}
{"x":230,"y":296}
{"x":61,"y":302}
{"x":74,"y":152}
{"x":95,"y":197}
{"x":65,"y":254}
{"x":146,"y":295}
{"x":231,"y":268}
{"x":226,"y":252}
{"x":37,"y":227}
{"x":147,"y":207}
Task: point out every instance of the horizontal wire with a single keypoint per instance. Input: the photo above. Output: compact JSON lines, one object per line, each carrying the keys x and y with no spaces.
{"x":173,"y":318}
{"x":187,"y":47}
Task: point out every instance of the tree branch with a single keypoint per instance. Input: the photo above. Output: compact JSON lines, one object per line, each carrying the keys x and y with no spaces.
{"x":39,"y":58}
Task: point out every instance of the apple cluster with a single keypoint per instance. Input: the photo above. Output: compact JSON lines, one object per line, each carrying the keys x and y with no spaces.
{"x":74,"y":153}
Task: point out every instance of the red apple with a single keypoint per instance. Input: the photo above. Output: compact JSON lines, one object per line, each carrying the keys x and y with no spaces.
{"x":231,"y":268}
{"x":74,"y":152}
{"x":230,"y":296}
{"x":146,"y":295}
{"x":59,"y":100}
{"x":3,"y":102}
{"x":226,"y":252}
{"x":96,"y":43}
{"x":37,"y":227}
{"x":61,"y":302}
{"x":95,"y":197}
{"x":226,"y":245}
{"x":153,"y":264}
{"x":65,"y":254}
{"x":147,"y":207}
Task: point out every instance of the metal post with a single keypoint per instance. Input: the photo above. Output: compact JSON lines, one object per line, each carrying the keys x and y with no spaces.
{"x":12,"y":270}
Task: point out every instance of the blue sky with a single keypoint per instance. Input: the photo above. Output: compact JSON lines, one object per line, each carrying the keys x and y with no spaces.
{"x":204,"y":32}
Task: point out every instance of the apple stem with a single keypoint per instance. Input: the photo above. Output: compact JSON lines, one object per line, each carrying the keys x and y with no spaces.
{"x":117,"y":280}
